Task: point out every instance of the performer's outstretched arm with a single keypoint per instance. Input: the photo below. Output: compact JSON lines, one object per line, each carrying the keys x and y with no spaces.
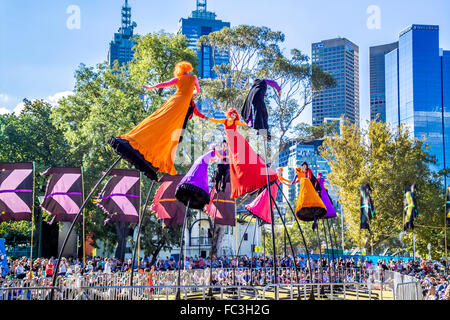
{"x":216,"y":120}
{"x":197,"y":86}
{"x":274,"y":85}
{"x":197,"y":112}
{"x":241,"y":124}
{"x":162,"y":84}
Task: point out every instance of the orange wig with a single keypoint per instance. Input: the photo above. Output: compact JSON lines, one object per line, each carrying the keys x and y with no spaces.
{"x":230,"y":111}
{"x":182,"y":68}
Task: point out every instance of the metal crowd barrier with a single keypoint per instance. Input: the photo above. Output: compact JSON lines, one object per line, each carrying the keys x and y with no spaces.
{"x":160,"y":292}
{"x":29,"y":293}
{"x":162,"y":282}
{"x":332,"y":291}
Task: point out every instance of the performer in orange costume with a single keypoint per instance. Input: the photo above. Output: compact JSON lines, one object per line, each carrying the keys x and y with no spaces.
{"x":309,"y":203}
{"x":151,"y":146}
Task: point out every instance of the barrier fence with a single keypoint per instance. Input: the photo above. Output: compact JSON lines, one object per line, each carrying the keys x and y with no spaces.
{"x":352,"y":283}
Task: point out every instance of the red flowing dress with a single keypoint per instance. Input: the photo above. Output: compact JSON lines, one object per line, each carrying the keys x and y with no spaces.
{"x":247,"y":170}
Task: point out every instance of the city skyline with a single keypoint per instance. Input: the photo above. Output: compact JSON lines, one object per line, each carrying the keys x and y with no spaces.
{"x":48,"y":72}
{"x":416,"y":88}
{"x":340,"y":58}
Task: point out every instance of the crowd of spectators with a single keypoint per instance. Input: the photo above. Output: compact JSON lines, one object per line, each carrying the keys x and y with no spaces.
{"x":253,"y":270}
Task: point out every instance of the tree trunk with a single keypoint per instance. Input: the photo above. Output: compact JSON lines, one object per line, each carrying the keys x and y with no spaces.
{"x":216,"y":241}
{"x":159,"y":246}
{"x":122,"y":233}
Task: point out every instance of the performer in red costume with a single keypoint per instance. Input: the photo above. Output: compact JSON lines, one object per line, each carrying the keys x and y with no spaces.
{"x":247,"y":170}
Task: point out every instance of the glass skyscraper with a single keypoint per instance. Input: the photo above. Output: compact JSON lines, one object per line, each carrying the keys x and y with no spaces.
{"x":340,"y":58}
{"x":202,"y":22}
{"x":377,"y":80}
{"x":417,"y":86}
{"x":121,"y":48}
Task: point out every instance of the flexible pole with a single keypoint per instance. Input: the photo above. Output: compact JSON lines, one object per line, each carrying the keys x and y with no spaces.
{"x":275,"y":279}
{"x":141,"y":218}
{"x":330,"y":238}
{"x":336,"y":244}
{"x":253,"y":249}
{"x":239,"y":248}
{"x":308,"y":264}
{"x":55,"y":272}
{"x":178,"y":296}
{"x":326,"y":241}
{"x":84,"y":221}
{"x":333,"y":245}
{"x":445,"y":233}
{"x":213,"y":233}
{"x":290,"y":244}
{"x":329,"y":256}
{"x":319,"y":247}
{"x":242,"y":239}
{"x":32,"y":222}
{"x":236,"y":243}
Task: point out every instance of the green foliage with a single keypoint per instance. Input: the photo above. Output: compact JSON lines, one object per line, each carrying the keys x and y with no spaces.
{"x":256,"y":52}
{"x":389,"y":160}
{"x":109,"y":102}
{"x":27,"y":137}
{"x":15,"y":232}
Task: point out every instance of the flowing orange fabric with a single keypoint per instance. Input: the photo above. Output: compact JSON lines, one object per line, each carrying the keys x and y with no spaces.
{"x":309,"y":203}
{"x":157,"y":137}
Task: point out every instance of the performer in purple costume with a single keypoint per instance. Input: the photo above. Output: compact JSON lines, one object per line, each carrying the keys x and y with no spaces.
{"x":194,"y":186}
{"x":331,"y":212}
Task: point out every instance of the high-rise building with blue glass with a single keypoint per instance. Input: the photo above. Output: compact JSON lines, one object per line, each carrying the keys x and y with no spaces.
{"x":201,"y":23}
{"x":121,"y":48}
{"x":340,"y":58}
{"x":417,"y":81}
{"x":377,"y":80}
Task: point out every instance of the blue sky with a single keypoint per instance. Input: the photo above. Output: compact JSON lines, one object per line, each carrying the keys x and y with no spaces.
{"x":39,"y":54}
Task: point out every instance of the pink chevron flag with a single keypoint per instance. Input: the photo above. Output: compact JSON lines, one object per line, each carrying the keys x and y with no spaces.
{"x":120,"y":198}
{"x":16,"y":191}
{"x":64,"y":193}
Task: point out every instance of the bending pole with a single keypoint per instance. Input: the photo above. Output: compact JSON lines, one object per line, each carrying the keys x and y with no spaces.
{"x":332,"y":249}
{"x":138,"y":235}
{"x":253,"y":249}
{"x":308,"y":264}
{"x":290,"y":244}
{"x":210,"y":294}
{"x":318,"y":245}
{"x":275,"y":278}
{"x":178,"y":296}
{"x":239,"y":248}
{"x":55,"y":272}
{"x":326,"y":240}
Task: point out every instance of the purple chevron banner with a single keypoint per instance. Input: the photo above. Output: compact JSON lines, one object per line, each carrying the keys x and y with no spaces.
{"x":120,"y":198}
{"x":64,"y":193}
{"x":16,"y":191}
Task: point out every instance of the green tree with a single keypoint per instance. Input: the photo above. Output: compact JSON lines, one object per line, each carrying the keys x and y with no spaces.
{"x":27,"y":137}
{"x":389,"y":160}
{"x":109,"y":102}
{"x":255,"y":52}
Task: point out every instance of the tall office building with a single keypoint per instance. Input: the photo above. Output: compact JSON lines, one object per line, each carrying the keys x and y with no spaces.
{"x":377,"y":80}
{"x":121,"y":48}
{"x":340,"y":58}
{"x":417,"y":88}
{"x":202,"y":22}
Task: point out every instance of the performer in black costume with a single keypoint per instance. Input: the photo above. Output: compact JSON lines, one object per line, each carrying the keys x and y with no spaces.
{"x":254,"y":110}
{"x":222,"y":176}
